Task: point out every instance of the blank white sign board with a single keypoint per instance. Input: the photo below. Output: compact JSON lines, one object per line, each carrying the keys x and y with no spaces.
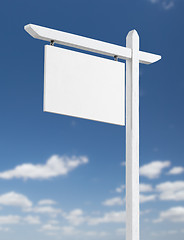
{"x":85,"y":86}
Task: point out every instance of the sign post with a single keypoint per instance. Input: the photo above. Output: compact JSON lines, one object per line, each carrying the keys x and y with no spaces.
{"x":102,"y":109}
{"x":132,"y":138}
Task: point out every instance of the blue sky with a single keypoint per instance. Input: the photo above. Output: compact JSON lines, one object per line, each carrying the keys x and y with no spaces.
{"x":41,"y":195}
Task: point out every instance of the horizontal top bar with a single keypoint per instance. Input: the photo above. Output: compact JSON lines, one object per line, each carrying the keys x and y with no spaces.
{"x":87,"y":44}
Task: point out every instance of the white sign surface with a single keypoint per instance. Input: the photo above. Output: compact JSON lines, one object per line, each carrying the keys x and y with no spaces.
{"x":85,"y":86}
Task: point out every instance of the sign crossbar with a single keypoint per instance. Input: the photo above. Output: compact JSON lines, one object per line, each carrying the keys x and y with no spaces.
{"x":87,"y":44}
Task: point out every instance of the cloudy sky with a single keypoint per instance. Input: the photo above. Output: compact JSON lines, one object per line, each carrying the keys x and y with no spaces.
{"x":63,"y":177}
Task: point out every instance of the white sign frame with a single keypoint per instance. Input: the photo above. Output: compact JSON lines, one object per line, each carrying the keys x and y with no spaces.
{"x":133,"y":57}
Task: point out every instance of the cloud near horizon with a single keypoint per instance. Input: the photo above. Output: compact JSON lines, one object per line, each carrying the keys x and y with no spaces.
{"x":77,"y":217}
{"x":109,"y":217}
{"x":55,"y":166}
{"x":46,"y":202}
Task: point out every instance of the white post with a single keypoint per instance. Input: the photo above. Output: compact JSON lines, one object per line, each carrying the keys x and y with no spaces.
{"x":132,"y":138}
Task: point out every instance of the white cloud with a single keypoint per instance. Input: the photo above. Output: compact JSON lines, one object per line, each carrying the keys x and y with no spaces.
{"x":145,"y":187}
{"x":120,"y":189}
{"x":75,"y":217}
{"x":10,"y":219}
{"x":175,"y":214}
{"x":45,"y":210}
{"x":46,"y":202}
{"x":171,"y":190}
{"x":176,"y":170}
{"x":165,"y":4}
{"x":168,"y":4}
{"x":117,"y":201}
{"x":55,"y":166}
{"x":50,"y":227}
{"x":154,"y":169}
{"x":32,"y":219}
{"x":109,"y":217}
{"x":15,"y":199}
{"x":70,"y":230}
{"x":147,"y":198}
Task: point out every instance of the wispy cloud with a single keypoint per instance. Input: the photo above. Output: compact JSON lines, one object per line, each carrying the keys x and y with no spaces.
{"x":147,"y":198}
{"x":154,"y":169}
{"x":164,"y":233}
{"x":46,"y":202}
{"x":176,"y":170}
{"x":145,"y":187}
{"x":75,"y":217}
{"x":70,"y":230}
{"x":55,"y":166}
{"x":32,"y":219}
{"x":50,"y":227}
{"x":120,"y":189}
{"x":165,"y":4}
{"x":116,"y":201}
{"x":53,"y":212}
{"x":110,"y":217}
{"x":16,"y":219}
